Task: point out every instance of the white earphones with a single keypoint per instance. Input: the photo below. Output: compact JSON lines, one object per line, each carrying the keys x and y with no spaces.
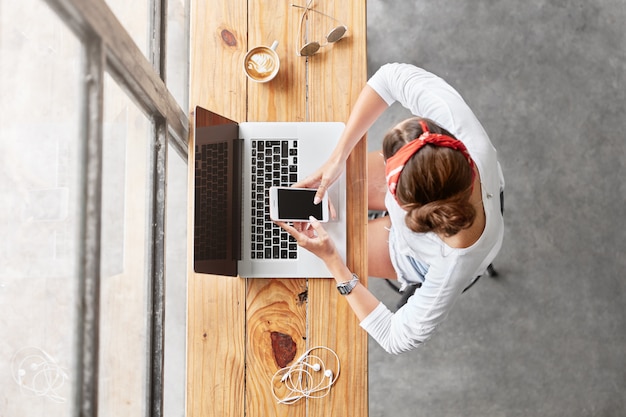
{"x":36,"y":372}
{"x":301,"y":380}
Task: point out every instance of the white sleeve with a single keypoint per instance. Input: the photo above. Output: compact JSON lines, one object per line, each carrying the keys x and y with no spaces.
{"x":429,"y":96}
{"x":417,"y":320}
{"x":382,"y":325}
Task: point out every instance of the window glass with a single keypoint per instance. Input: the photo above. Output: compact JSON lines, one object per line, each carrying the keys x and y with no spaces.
{"x":176,"y":285}
{"x":124,"y":331}
{"x":135,"y":16}
{"x":39,"y":215}
{"x":177,"y":74}
{"x":177,"y":80}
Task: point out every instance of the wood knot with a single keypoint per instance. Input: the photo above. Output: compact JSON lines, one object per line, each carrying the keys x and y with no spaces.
{"x":228,"y":38}
{"x":303,"y":297}
{"x":284,"y":348}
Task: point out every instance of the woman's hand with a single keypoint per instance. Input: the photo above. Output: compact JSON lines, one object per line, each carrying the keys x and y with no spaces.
{"x":322,"y":179}
{"x":314,"y":238}
{"x":368,"y":106}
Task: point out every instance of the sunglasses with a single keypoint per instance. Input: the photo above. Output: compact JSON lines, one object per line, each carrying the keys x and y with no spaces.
{"x":335,"y":34}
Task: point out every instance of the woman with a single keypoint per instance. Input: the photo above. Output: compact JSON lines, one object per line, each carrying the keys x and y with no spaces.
{"x":439,"y":180}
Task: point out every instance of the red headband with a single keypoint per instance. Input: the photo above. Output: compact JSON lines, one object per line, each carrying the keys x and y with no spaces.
{"x":395,"y":164}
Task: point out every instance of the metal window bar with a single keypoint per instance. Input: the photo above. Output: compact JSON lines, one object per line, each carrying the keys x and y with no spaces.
{"x":157,"y":267}
{"x":90,"y":229}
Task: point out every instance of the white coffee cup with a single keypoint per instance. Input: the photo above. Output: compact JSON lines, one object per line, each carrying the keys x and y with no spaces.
{"x":261,"y":64}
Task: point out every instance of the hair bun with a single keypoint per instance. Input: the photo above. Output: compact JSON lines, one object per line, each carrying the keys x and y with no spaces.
{"x":445,"y":217}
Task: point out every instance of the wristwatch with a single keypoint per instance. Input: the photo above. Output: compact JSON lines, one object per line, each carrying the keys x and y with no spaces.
{"x":346,"y":287}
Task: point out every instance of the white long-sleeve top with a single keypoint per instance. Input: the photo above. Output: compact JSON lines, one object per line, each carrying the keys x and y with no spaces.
{"x":451,"y":270}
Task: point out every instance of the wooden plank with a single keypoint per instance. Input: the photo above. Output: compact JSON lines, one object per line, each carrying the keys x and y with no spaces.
{"x":217,"y":46}
{"x":276,"y":318}
{"x":216,"y":305}
{"x":274,"y":306}
{"x":216,"y":346}
{"x":337,"y":74}
{"x":283,"y":98}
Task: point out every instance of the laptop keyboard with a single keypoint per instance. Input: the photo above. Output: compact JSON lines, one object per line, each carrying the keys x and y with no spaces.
{"x":274,"y":163}
{"x":211,"y":201}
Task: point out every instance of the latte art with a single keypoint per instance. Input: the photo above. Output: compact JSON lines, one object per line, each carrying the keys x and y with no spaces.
{"x":261,"y":65}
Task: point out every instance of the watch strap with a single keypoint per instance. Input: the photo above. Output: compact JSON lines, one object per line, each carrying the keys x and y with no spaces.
{"x":346,"y":287}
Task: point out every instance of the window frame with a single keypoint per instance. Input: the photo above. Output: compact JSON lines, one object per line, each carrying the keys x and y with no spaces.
{"x":109,"y":48}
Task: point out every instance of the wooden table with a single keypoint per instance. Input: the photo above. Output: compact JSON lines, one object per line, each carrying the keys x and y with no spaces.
{"x":230,"y":359}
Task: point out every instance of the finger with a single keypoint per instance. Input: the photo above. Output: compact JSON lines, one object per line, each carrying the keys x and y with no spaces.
{"x":304,"y":227}
{"x":312,"y":181}
{"x":333,"y":211}
{"x":301,"y":236}
{"x":299,"y":226}
{"x":317,"y":226}
{"x":321,"y":190}
{"x":289,"y":229}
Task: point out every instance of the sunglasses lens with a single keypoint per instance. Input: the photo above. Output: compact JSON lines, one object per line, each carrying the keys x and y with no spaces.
{"x":309,"y":49}
{"x":336,"y":34}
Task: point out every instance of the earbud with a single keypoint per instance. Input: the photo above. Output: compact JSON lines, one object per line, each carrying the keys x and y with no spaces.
{"x":37,"y":372}
{"x":300,"y":381}
{"x":289,"y":400}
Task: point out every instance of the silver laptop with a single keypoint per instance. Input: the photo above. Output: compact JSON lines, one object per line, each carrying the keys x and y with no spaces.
{"x":235,"y":165}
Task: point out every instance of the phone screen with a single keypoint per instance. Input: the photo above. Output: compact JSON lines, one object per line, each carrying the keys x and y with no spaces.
{"x":294,"y":204}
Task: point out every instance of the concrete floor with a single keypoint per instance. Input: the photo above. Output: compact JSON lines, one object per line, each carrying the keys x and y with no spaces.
{"x":548,"y":336}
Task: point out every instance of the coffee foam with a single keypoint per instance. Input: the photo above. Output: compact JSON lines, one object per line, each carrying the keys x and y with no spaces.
{"x":261,"y":64}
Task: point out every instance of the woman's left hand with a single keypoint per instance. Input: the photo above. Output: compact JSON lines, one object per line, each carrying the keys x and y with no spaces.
{"x":312,"y":237}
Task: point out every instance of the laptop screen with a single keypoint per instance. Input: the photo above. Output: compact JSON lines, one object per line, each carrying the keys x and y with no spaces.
{"x":217,"y":208}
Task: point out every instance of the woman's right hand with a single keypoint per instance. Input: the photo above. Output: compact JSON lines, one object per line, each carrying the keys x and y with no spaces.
{"x":323,"y":179}
{"x":366,"y":109}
